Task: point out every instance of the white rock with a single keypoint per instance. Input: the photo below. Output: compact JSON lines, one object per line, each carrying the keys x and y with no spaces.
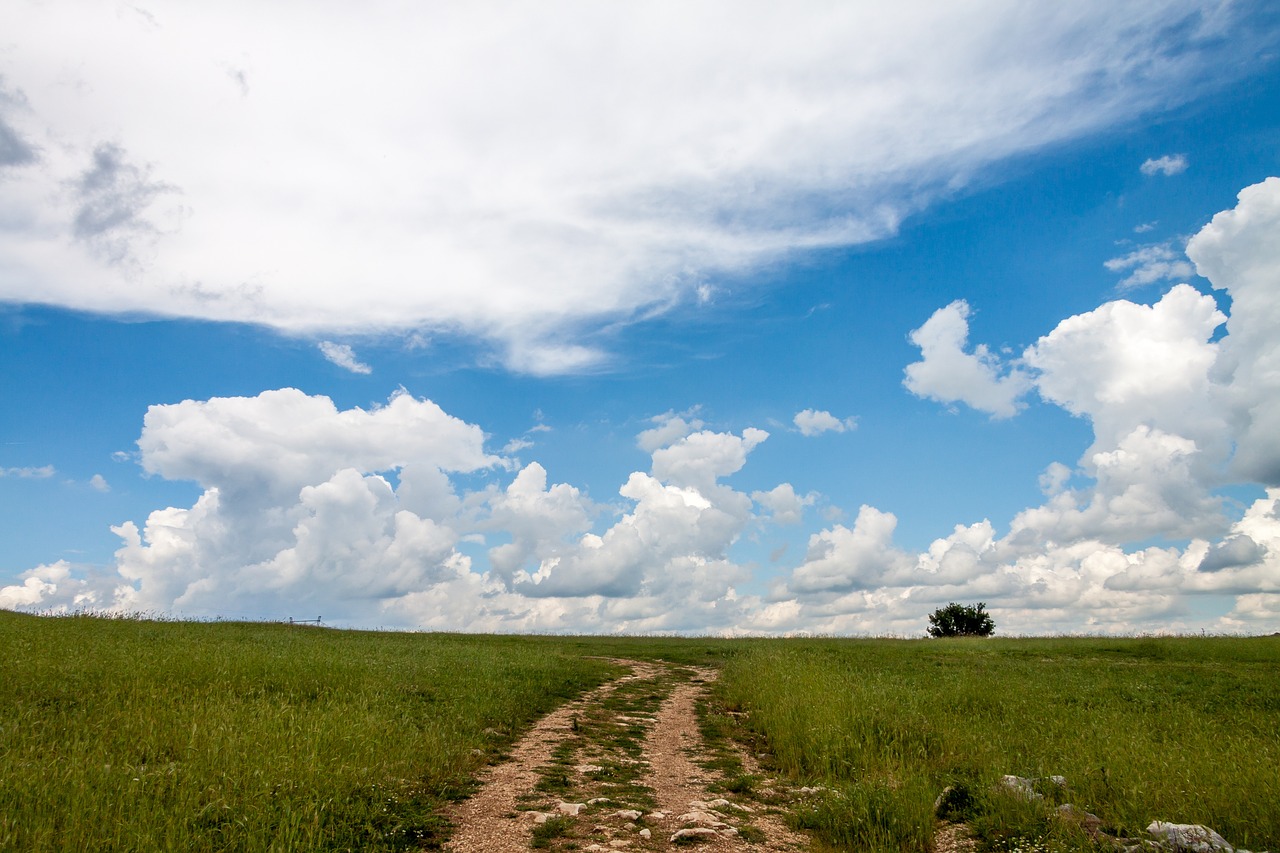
{"x":595,"y":801}
{"x":725,"y":804}
{"x":657,"y":816}
{"x":619,"y":842}
{"x":1190,"y":837}
{"x":627,"y":814}
{"x":588,"y":768}
{"x":645,"y":833}
{"x":693,"y":834}
{"x":1024,"y":788}
{"x":702,"y":819}
{"x":570,"y":808}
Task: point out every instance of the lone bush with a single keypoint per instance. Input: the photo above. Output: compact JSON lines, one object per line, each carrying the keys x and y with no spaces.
{"x":961,"y":620}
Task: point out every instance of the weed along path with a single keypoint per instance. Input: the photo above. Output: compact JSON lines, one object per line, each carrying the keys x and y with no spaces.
{"x":623,"y":768}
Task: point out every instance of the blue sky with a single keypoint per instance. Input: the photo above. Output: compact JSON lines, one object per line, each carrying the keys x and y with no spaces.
{"x":413,"y":320}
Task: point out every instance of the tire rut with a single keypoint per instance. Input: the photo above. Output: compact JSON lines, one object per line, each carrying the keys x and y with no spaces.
{"x":622,"y":768}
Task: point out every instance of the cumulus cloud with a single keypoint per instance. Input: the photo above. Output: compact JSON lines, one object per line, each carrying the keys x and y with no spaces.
{"x":1150,"y":264}
{"x":949,"y":374}
{"x":784,"y":505}
{"x":840,"y":559}
{"x":1168,"y":165}
{"x":698,"y":460}
{"x":670,"y":429}
{"x":568,"y":169}
{"x":1239,"y":253}
{"x":811,"y":422}
{"x":1124,"y":364}
{"x":360,"y":513}
{"x":99,"y":483}
{"x":38,"y":585}
{"x":1175,"y":414}
{"x":354,"y":514}
{"x":274,"y":444}
{"x":343,"y":356}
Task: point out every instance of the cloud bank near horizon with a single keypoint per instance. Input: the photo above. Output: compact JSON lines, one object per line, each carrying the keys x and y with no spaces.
{"x":519,"y":174}
{"x":362,"y":514}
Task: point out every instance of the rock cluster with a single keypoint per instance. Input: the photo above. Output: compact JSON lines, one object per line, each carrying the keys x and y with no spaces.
{"x":1165,"y":837}
{"x":704,"y":821}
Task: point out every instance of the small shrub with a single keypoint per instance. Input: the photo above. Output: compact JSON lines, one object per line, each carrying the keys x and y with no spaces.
{"x":960,"y":620}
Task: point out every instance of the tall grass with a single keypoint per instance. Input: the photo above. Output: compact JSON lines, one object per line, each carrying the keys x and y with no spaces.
{"x":134,"y":735}
{"x":129,"y":735}
{"x":1179,"y":729}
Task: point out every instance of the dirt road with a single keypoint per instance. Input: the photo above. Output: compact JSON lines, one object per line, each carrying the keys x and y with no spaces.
{"x":623,"y":768}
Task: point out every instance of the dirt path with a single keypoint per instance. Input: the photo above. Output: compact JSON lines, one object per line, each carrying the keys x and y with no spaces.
{"x":488,"y":822}
{"x":623,"y":768}
{"x":689,"y":810}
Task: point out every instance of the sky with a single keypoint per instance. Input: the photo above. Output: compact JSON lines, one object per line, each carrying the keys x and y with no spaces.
{"x":707,"y":318}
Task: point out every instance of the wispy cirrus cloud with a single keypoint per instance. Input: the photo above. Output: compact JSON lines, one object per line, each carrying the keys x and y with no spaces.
{"x":1150,"y":264}
{"x":1168,"y":165}
{"x":568,"y":169}
{"x":343,"y":356}
{"x":42,"y":472}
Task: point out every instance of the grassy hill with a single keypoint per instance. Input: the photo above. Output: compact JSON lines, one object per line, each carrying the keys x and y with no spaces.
{"x":137,"y":735}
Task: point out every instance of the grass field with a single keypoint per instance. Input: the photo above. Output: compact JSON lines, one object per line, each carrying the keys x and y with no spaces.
{"x":135,"y":735}
{"x":132,"y":735}
{"x":1181,"y":729}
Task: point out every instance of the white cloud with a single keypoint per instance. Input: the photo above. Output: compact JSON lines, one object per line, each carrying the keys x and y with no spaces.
{"x":1146,"y":486}
{"x":784,"y":505}
{"x":1169,"y":164}
{"x":539,"y":520}
{"x":570,"y":167}
{"x":31,"y":473}
{"x":356,"y":515}
{"x":99,"y":483}
{"x":1054,"y":478}
{"x":670,"y":429}
{"x":515,"y":445}
{"x":811,"y":422}
{"x":299,"y":513}
{"x":1239,"y":253}
{"x":698,"y":460}
{"x":948,"y":374}
{"x":37,"y":585}
{"x":1149,"y":264}
{"x":272,"y":445}
{"x":1124,"y":365}
{"x":343,"y":356}
{"x":840,"y":559}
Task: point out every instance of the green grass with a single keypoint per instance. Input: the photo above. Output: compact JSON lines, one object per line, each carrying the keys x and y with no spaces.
{"x":133,"y":735}
{"x":1179,"y":729}
{"x":126,"y":735}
